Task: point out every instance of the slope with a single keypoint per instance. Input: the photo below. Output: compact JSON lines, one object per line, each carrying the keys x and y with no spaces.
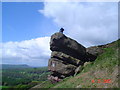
{"x":102,"y":73}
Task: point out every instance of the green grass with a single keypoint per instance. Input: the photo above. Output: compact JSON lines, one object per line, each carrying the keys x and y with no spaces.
{"x":23,"y":78}
{"x":107,"y":60}
{"x":104,"y":67}
{"x":5,"y":87}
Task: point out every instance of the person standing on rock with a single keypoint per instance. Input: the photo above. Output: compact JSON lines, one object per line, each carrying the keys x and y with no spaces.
{"x":61,"y":30}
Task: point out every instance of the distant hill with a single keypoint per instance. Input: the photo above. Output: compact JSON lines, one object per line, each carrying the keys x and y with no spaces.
{"x":9,"y":66}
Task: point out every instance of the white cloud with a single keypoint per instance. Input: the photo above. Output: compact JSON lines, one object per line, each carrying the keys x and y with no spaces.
{"x":33,"y":52}
{"x":90,"y":23}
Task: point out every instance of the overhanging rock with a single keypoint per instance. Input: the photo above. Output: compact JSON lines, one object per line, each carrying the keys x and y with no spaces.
{"x":59,"y":42}
{"x":67,"y":56}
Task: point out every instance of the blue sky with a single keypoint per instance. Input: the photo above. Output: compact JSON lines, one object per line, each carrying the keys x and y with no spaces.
{"x":22,"y":21}
{"x":27,"y":27}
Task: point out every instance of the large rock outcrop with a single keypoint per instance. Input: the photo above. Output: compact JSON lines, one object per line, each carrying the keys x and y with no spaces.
{"x":59,"y":42}
{"x":67,"y":57}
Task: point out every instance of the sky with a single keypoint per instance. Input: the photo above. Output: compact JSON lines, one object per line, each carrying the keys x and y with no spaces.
{"x":27,"y":27}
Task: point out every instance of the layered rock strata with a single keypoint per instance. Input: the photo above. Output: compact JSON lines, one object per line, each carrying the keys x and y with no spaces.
{"x":67,"y":57}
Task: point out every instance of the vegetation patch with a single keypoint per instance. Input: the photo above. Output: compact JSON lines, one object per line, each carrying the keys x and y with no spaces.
{"x":23,"y":77}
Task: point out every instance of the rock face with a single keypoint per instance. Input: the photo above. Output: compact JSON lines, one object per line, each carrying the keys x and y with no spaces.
{"x":59,"y":42}
{"x":67,"y":57}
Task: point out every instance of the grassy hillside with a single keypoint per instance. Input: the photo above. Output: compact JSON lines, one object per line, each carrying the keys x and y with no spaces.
{"x":102,"y":73}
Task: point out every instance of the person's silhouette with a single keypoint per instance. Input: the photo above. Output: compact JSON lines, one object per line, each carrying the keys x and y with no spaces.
{"x":61,"y":30}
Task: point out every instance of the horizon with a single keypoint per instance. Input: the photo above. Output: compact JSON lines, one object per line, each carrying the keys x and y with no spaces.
{"x":27,"y":27}
{"x":23,"y":64}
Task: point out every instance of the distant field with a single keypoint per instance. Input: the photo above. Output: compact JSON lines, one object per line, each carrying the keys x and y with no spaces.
{"x":25,"y":77}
